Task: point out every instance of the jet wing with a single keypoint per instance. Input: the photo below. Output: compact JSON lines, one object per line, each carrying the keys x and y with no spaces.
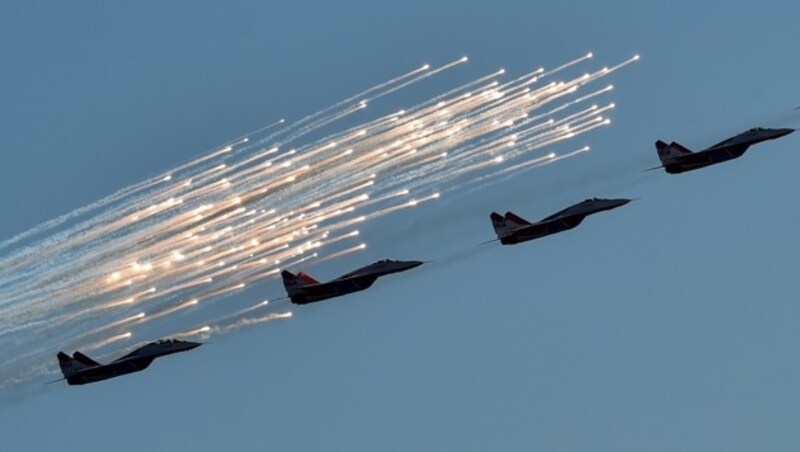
{"x":731,"y":148}
{"x":350,"y":275}
{"x":532,"y":230}
{"x":720,"y":145}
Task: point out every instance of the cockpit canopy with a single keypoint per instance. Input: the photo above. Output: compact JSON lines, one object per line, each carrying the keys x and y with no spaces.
{"x":167,"y":341}
{"x":386,"y":261}
{"x":756,"y":129}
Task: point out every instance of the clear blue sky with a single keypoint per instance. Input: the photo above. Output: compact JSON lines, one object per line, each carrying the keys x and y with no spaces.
{"x":669,"y":324}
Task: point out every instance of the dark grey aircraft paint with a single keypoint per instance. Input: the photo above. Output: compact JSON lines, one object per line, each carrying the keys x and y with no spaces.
{"x":303,"y":289}
{"x":511,"y":229}
{"x":79,"y":369}
{"x":676,"y":159}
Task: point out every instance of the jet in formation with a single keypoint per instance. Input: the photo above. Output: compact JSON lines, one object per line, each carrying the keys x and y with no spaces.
{"x":511,"y":229}
{"x":303,"y":289}
{"x":79,"y":369}
{"x":678,"y":159}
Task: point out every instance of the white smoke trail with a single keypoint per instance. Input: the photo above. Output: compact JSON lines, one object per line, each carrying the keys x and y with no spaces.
{"x":173,"y":246}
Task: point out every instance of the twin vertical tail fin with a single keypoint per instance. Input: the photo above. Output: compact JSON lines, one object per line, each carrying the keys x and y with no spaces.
{"x":294,"y":283}
{"x":505,"y":225}
{"x":85,"y":360}
{"x":668,"y":153}
{"x":499,"y":224}
{"x":72,"y":366}
{"x":515,"y":221}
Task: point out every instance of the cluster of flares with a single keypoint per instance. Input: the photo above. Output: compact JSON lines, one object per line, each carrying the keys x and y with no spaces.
{"x":238,"y":215}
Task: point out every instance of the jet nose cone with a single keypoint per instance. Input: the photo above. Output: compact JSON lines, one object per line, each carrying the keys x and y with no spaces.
{"x":613,"y":203}
{"x":412,"y":264}
{"x":783,"y":132}
{"x":191,"y":345}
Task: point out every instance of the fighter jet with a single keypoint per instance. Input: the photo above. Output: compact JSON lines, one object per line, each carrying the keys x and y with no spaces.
{"x":678,"y":159}
{"x":79,"y":369}
{"x":303,"y":289}
{"x":511,"y":229}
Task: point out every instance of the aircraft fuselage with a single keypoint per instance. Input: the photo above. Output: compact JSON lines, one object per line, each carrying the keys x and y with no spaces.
{"x":112,"y":370}
{"x":702,"y":159}
{"x":324,"y":291}
{"x":543,"y":228}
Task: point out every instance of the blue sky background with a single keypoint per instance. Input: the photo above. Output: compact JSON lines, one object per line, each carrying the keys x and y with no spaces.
{"x":669,"y":324}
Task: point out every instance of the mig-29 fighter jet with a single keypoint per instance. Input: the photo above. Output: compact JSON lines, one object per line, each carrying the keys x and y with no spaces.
{"x":678,"y":159}
{"x":511,"y":229}
{"x":303,"y":289}
{"x":79,"y":369}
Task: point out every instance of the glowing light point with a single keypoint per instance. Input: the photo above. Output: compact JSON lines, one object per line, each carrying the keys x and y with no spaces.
{"x":425,"y":67}
{"x":464,"y":59}
{"x":589,"y":55}
{"x":636,"y":57}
